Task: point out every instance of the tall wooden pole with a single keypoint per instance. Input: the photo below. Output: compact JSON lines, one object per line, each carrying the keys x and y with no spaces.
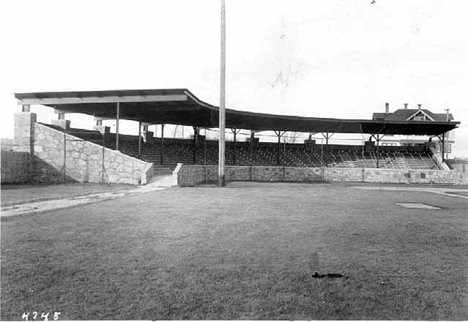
{"x":222,"y":112}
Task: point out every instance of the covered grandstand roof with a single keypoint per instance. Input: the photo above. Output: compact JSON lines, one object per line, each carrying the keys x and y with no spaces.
{"x":180,"y":106}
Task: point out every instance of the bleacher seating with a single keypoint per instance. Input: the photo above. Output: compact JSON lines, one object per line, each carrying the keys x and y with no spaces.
{"x":264,"y":154}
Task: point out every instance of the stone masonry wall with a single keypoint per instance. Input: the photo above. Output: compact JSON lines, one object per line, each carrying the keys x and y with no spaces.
{"x":438,"y":159}
{"x":190,"y":175}
{"x":84,"y":161}
{"x":15,"y":167}
{"x":459,"y":165}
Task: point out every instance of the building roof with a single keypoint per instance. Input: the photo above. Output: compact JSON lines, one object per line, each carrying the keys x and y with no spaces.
{"x":180,"y":106}
{"x":407,"y":114}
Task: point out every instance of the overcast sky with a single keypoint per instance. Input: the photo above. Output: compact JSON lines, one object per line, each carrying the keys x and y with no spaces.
{"x":340,"y":58}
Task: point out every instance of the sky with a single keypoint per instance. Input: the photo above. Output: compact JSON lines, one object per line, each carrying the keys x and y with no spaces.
{"x":317,"y":58}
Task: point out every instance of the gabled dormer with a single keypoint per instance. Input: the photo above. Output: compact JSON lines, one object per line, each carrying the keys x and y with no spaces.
{"x":420,"y":115}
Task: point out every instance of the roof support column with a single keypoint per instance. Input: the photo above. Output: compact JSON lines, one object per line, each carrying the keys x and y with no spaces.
{"x":327,"y":136}
{"x":377,"y":138}
{"x":162,"y":144}
{"x":196,"y":131}
{"x":204,"y":149}
{"x":235,"y":132}
{"x":117,"y":119}
{"x":104,"y":130}
{"x":443,"y":146}
{"x":442,"y":140}
{"x":446,"y":150}
{"x":285,"y":151}
{"x":61,"y":121}
{"x":139,"y":139}
{"x":378,"y":150}
{"x":279,"y":134}
{"x":326,"y":148}
{"x":252,"y":138}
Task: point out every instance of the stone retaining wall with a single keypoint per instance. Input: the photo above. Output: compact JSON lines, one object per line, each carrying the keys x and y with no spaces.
{"x":438,"y":159}
{"x":15,"y":166}
{"x":44,"y":154}
{"x":84,"y":161}
{"x":190,"y":175}
{"x":460,"y":165}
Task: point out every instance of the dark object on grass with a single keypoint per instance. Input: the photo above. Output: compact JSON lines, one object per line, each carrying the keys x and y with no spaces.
{"x":334,"y":275}
{"x":329,"y":275}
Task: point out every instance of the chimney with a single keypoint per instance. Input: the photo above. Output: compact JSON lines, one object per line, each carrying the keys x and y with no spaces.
{"x":387,"y":108}
{"x":419,"y":106}
{"x":406,"y":106}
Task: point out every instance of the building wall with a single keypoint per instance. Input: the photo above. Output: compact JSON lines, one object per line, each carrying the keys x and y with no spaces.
{"x":190,"y":175}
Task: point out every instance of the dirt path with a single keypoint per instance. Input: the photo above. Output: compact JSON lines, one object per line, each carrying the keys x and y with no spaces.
{"x":46,"y":205}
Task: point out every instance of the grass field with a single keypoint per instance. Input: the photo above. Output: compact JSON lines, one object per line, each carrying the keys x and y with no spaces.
{"x":18,"y":194}
{"x":248,"y":251}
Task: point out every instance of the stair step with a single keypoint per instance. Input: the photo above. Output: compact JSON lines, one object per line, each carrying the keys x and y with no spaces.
{"x":162,"y":171}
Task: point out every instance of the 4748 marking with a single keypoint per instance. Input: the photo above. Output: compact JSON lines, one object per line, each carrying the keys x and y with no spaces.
{"x":34,"y":316}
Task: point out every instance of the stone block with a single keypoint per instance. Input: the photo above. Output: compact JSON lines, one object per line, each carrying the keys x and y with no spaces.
{"x":120,"y":168}
{"x":113,"y":178}
{"x":38,"y":148}
{"x":119,"y":158}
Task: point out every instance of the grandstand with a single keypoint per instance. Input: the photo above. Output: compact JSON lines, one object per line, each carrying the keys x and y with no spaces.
{"x":205,"y":152}
{"x":181,"y":107}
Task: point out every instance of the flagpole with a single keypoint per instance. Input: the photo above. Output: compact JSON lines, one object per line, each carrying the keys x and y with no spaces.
{"x":222,"y":104}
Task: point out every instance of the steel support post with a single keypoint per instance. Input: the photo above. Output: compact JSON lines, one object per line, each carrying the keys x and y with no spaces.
{"x":139,"y":139}
{"x":117,"y":119}
{"x":162,"y":144}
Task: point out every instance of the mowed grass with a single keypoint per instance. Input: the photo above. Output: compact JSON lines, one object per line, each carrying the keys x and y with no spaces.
{"x":247,"y":251}
{"x":14,"y":194}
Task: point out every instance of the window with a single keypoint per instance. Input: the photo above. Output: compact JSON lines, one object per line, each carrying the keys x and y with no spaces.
{"x":420,"y":118}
